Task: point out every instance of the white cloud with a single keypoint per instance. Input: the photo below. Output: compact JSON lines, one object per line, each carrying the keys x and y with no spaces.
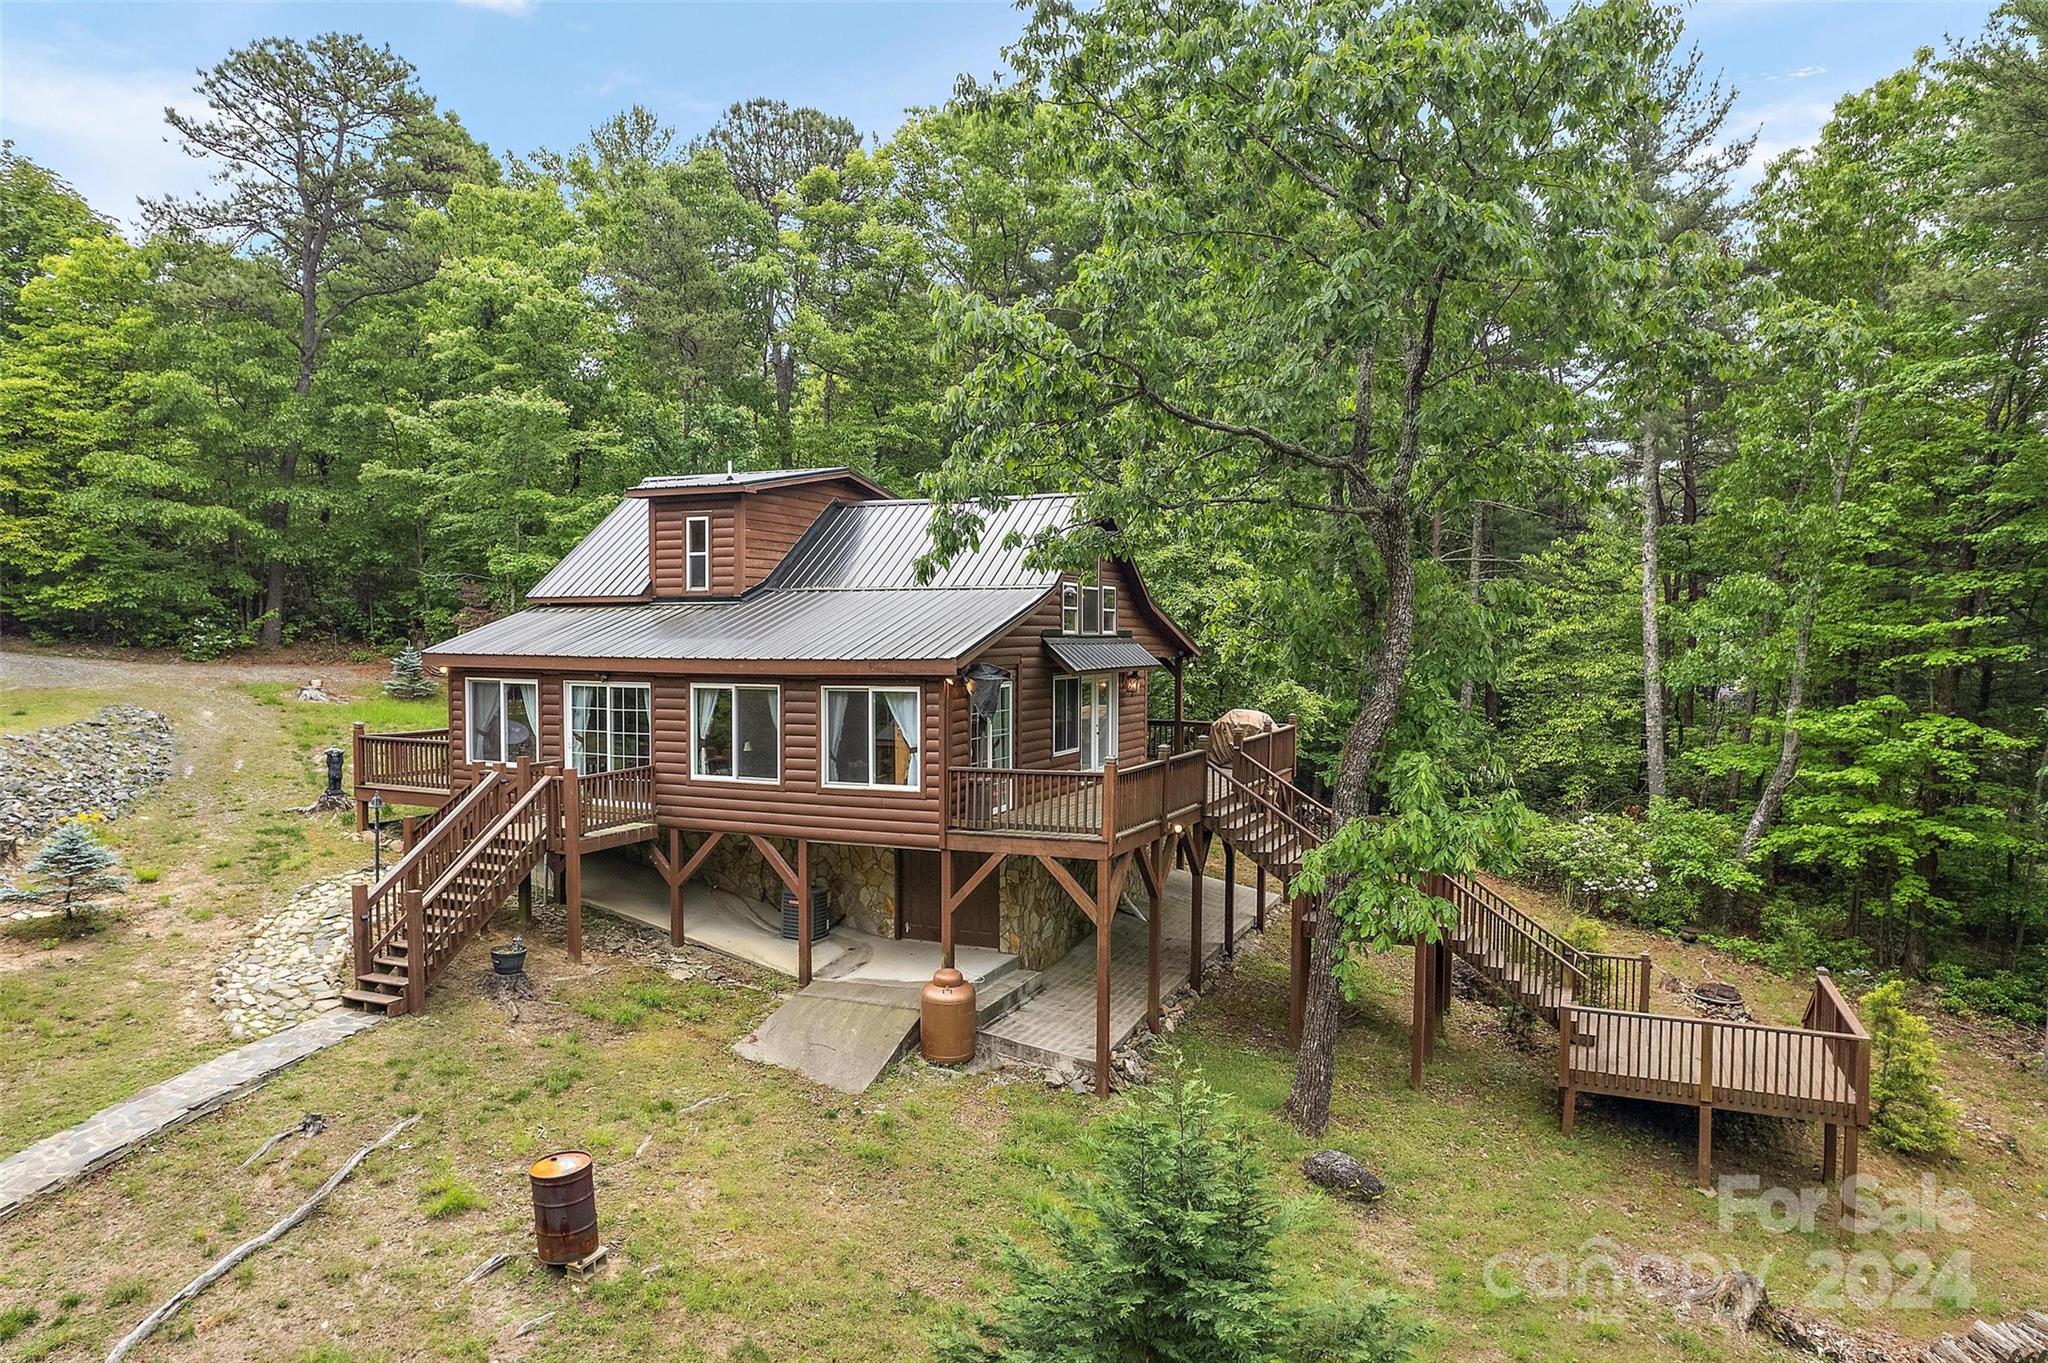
{"x":518,"y":9}
{"x":1780,"y":125}
{"x":101,"y":129}
{"x":1797,"y":73}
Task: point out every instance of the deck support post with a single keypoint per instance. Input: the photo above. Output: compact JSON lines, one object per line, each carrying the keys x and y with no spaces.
{"x":1706,"y":1154}
{"x":675,"y":887}
{"x":945,"y":908}
{"x":526,"y":898}
{"x":572,"y":859}
{"x":1418,"y":1021}
{"x":359,"y":927}
{"x":1197,"y":864}
{"x":1706,"y":1169}
{"x":803,"y":912}
{"x":1105,"y":910}
{"x":1259,"y":899}
{"x":1564,"y":1068}
{"x":1229,"y":901}
{"x":1151,"y":867}
{"x":1829,"y":1134}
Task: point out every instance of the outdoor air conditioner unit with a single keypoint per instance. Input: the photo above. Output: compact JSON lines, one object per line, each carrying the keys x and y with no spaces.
{"x":821,"y":915}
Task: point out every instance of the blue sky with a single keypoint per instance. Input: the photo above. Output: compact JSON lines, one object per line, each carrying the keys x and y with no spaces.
{"x":83,"y":86}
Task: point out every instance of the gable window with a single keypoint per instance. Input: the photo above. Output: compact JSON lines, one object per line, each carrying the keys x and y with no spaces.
{"x":736,"y":733}
{"x":608,"y":726}
{"x":1070,"y":609}
{"x":697,"y":554}
{"x":871,"y":736}
{"x":504,"y":719}
{"x":1108,"y":609}
{"x":1084,"y":718}
{"x":1091,"y":610}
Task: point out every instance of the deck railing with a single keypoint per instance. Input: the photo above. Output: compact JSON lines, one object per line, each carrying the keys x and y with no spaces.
{"x":1612,"y":980}
{"x":1827,"y":1012}
{"x":417,"y":760}
{"x":380,"y":908}
{"x":1744,"y":1066}
{"x":1186,"y":735}
{"x":614,"y":799}
{"x":1093,"y":806}
{"x":1164,"y":790}
{"x":1511,"y":941}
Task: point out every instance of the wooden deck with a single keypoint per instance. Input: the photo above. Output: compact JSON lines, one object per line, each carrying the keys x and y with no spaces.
{"x":1119,"y":807}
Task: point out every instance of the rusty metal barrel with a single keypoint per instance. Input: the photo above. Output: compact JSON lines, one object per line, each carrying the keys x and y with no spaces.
{"x":946,"y":1021}
{"x":564,"y":1207}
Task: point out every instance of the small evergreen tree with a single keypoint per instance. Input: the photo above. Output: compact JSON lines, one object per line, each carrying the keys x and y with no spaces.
{"x":75,"y":871}
{"x":409,"y":679}
{"x":1167,"y":1253}
{"x":1907,"y":1111}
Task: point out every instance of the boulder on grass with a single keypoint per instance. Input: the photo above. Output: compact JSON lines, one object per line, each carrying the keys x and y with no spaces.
{"x":1338,"y":1172}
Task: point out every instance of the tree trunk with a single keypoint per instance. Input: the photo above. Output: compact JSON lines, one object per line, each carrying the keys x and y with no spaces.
{"x":1653,"y":681}
{"x":1308,"y":1103}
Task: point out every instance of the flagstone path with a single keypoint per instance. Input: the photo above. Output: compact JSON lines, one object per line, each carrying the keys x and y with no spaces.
{"x":112,"y":1132}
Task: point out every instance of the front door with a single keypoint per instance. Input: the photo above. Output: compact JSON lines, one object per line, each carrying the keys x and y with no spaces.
{"x":975,"y":922}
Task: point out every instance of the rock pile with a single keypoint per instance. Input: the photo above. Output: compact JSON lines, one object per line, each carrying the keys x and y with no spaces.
{"x":103,"y":763}
{"x":291,"y":965}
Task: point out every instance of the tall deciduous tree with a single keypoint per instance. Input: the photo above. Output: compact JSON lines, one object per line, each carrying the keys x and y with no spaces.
{"x":1350,"y":252}
{"x":323,"y":152}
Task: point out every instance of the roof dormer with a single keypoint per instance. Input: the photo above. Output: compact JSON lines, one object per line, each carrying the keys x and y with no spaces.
{"x":716,"y":535}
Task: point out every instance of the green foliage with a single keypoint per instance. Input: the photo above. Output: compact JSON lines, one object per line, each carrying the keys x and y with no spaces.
{"x":409,"y":679}
{"x":2017,"y":996}
{"x":1907,"y":1110}
{"x":75,"y":871}
{"x":1168,"y":1252}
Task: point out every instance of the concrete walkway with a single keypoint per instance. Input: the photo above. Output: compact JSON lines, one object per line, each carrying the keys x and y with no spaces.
{"x":1057,"y":1025}
{"x":112,"y":1132}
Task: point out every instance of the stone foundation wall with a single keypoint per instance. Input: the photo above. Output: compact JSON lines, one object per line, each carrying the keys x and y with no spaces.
{"x":860,"y":881}
{"x":1039,"y":922}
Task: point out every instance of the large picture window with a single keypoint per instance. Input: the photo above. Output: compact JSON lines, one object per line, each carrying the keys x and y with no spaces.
{"x":871,"y":736}
{"x":697,"y":554}
{"x":736,"y":732}
{"x":1084,"y":717}
{"x":608,"y":726}
{"x":504,"y":719}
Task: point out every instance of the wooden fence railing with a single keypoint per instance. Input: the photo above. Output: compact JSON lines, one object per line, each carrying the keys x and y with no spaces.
{"x":1164,"y":790}
{"x":1612,"y":980}
{"x":1186,"y":736}
{"x":613,"y":799}
{"x":1084,"y":805}
{"x":1742,"y":1066}
{"x":406,"y":761}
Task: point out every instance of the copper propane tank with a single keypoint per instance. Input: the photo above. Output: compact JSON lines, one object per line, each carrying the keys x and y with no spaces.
{"x":564,"y":1207}
{"x":946,"y":1031}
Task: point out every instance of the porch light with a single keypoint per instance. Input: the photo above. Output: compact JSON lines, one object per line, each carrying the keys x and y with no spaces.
{"x":1130,"y":683}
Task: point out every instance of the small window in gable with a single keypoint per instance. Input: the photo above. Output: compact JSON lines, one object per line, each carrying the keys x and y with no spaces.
{"x":1070,"y":609}
{"x":697,"y":554}
{"x":1091,"y":610}
{"x":1108,"y":610}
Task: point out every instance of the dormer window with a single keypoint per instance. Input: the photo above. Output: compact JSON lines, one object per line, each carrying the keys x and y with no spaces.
{"x":1070,"y":609}
{"x":697,"y":554}
{"x":1087,"y":608}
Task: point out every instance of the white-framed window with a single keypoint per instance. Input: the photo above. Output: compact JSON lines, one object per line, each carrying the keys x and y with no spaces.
{"x":1108,"y":609}
{"x":1084,"y":717}
{"x":1070,"y":608}
{"x":872,"y":736}
{"x":610,"y":725}
{"x":991,"y":738}
{"x":503,"y":719}
{"x":736,"y":732}
{"x":1066,"y":715}
{"x":697,"y":554}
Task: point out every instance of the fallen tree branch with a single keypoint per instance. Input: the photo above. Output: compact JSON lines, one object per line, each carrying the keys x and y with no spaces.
{"x":487,"y":1268}
{"x":221,"y":1266}
{"x":312,"y":1124}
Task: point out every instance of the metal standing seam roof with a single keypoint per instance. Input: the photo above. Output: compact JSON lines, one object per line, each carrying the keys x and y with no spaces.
{"x":1105,"y":653}
{"x":877,"y":544}
{"x":610,"y":561}
{"x":847,"y":592}
{"x":743,"y":477}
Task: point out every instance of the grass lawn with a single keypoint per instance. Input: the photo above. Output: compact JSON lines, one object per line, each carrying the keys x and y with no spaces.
{"x":781,"y":1221}
{"x":23,"y":709}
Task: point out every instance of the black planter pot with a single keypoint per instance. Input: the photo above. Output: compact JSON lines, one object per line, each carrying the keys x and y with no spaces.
{"x":509,"y":960}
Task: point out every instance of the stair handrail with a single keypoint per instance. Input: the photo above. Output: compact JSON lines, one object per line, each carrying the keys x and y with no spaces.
{"x":378,"y":908}
{"x":1307,"y":836}
{"x":1571,"y":979}
{"x":542,"y":784}
{"x":1324,"y":821}
{"x":1500,"y":904}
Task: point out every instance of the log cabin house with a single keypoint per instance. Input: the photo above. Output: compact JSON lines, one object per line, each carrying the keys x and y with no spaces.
{"x":747,"y":677}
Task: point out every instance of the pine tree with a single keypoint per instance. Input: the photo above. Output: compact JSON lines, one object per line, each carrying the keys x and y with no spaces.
{"x":1168,"y":1253}
{"x":75,"y":871}
{"x":1907,"y":1112}
{"x":409,"y":680}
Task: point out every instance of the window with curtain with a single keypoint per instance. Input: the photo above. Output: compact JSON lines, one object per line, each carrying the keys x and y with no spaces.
{"x":736,"y":732}
{"x":871,"y":736}
{"x":504,"y":719}
{"x":609,"y":726}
